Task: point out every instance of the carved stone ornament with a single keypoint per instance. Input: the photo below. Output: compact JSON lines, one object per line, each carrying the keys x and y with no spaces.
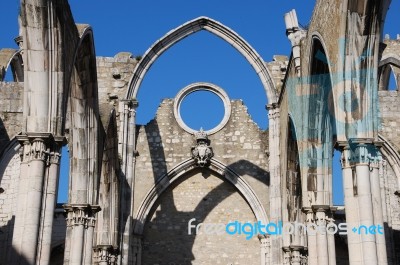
{"x":202,"y":152}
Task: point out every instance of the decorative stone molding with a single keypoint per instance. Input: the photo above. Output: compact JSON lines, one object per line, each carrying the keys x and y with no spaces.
{"x":202,"y":152}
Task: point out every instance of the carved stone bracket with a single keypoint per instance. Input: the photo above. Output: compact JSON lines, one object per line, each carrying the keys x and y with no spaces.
{"x":202,"y":152}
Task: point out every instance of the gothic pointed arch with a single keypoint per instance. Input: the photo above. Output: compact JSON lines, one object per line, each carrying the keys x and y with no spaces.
{"x":191,"y":27}
{"x":177,"y":172}
{"x":11,"y":58}
{"x":81,"y":122}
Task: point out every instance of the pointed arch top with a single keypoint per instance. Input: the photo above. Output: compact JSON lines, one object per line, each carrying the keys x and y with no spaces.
{"x":179,"y":171}
{"x":216,"y":28}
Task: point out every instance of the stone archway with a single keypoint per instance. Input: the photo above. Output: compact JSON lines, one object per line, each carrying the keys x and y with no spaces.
{"x":82,"y":127}
{"x":229,"y":183}
{"x":191,"y":27}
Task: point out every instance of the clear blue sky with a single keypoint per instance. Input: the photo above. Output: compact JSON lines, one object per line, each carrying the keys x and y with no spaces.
{"x":134,"y":26}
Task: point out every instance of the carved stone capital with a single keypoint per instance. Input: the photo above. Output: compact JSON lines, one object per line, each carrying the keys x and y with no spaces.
{"x":273,"y":111}
{"x":309,"y":214}
{"x":55,"y":157}
{"x":40,"y":146}
{"x":105,"y":254}
{"x":360,"y":151}
{"x":81,"y":214}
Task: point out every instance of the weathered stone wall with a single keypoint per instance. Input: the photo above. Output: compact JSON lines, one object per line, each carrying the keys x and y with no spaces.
{"x":210,"y":200}
{"x":389,"y":103}
{"x":240,"y":145}
{"x":11,"y":97}
{"x":9,"y":181}
{"x":392,"y":48}
{"x":113,"y":75}
{"x":277,"y":69}
{"x":391,"y":213}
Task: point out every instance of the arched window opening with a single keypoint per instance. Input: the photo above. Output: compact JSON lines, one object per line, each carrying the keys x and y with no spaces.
{"x":389,"y":77}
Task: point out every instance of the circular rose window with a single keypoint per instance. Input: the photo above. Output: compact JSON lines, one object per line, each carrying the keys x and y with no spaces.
{"x":201,"y":108}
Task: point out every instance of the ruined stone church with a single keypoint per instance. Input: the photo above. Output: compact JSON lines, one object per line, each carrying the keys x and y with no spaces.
{"x":138,"y":193}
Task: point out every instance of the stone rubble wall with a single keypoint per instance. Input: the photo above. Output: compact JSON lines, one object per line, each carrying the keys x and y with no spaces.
{"x":113,"y":75}
{"x":9,"y":183}
{"x":11,"y":104}
{"x":389,"y":102}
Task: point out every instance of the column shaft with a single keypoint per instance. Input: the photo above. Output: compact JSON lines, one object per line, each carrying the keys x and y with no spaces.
{"x":366,"y":214}
{"x":49,"y":203}
{"x":276,"y":255}
{"x":28,"y":220}
{"x":351,"y":208}
{"x":322,"y":241}
{"x":331,"y":247}
{"x":311,"y":239}
{"x":21,"y":206}
{"x":88,"y":250}
{"x":378,"y":212}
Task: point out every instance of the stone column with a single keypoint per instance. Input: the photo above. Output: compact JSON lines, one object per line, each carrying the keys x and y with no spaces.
{"x":376,"y":158}
{"x":88,"y":249}
{"x":275,"y":181}
{"x":29,"y":223}
{"x":366,"y":214}
{"x":331,"y":237}
{"x":49,"y":204}
{"x":128,"y":154}
{"x":351,"y":205}
{"x":68,"y":235}
{"x":81,"y":221}
{"x":322,"y":240}
{"x":311,"y":237}
{"x":264,"y":248}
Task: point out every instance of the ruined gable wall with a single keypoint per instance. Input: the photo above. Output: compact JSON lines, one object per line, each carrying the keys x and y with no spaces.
{"x":203,"y":195}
